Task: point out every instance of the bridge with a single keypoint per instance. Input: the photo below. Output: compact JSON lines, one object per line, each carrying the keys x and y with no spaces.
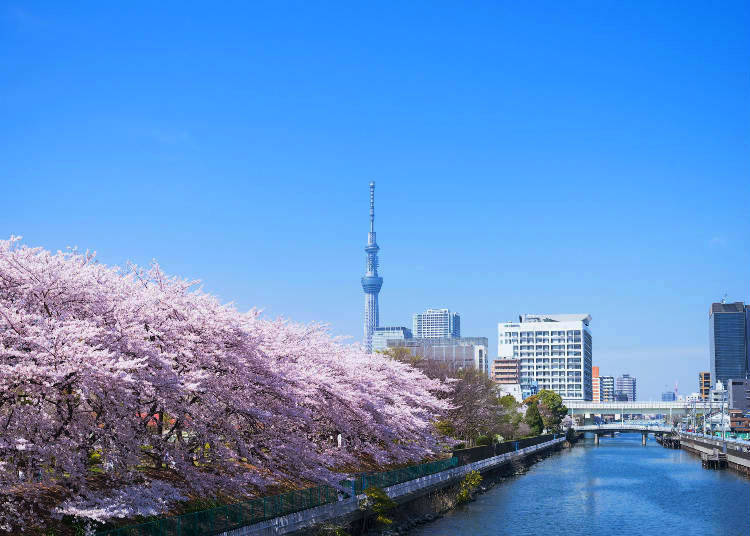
{"x":587,"y":409}
{"x":626,"y":426}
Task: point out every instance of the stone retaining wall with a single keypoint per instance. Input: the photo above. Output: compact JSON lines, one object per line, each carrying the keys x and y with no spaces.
{"x":347,"y":510}
{"x":738,"y":459}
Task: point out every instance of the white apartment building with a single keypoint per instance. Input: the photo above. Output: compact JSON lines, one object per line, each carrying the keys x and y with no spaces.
{"x":555,"y":353}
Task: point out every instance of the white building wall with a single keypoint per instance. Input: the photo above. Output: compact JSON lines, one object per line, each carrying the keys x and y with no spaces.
{"x":555,"y":352}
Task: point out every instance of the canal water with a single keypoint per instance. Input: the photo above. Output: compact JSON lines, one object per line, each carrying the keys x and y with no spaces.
{"x":617,"y":488}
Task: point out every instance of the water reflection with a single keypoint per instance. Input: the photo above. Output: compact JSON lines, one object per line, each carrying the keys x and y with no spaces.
{"x":617,"y":488}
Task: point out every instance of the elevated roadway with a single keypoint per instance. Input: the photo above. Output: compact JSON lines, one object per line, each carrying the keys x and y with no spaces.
{"x":611,"y":428}
{"x":654,"y":407}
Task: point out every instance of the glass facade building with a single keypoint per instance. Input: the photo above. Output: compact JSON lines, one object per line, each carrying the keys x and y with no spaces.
{"x":728,"y":325}
{"x":383,"y":334}
{"x":456,"y":353}
{"x":625,"y":387}
{"x":436,"y":323}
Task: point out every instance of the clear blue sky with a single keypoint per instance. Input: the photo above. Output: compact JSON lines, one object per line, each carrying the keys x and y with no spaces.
{"x":563,"y":157}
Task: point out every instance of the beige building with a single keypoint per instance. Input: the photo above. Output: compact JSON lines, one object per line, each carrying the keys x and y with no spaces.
{"x":506,"y":371}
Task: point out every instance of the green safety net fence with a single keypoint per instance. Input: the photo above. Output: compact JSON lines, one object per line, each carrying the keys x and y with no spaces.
{"x":232,"y":516}
{"x":391,"y":478}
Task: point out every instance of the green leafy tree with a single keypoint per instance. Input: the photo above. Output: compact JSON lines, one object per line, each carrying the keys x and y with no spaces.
{"x":533,"y":419}
{"x":552,"y":409}
{"x":508,"y":402}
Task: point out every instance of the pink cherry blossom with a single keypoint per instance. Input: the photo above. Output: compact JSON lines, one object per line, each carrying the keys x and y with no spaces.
{"x":127,"y":382}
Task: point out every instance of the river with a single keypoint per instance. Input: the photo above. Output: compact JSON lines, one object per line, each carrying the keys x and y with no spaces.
{"x":617,"y":488}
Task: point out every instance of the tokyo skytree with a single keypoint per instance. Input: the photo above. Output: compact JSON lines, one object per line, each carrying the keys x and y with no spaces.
{"x":371,"y":283}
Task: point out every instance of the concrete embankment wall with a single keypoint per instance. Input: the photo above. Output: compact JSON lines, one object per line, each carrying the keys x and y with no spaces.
{"x":347,"y":510}
{"x":738,"y":457}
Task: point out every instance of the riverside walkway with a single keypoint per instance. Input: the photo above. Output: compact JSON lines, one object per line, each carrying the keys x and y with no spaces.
{"x":348,"y":508}
{"x":737,"y":450}
{"x":301,"y":509}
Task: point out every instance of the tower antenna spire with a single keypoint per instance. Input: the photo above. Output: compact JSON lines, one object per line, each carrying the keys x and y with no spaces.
{"x":371,"y":282}
{"x":372,"y":206}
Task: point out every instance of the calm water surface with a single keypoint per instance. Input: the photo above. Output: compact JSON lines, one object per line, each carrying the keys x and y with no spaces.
{"x":617,"y":488}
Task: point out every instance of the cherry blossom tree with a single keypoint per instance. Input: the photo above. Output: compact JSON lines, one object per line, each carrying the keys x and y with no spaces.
{"x":125,"y":390}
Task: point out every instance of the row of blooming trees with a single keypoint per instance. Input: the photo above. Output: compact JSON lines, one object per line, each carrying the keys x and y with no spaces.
{"x":477,"y":412}
{"x":123,"y":391}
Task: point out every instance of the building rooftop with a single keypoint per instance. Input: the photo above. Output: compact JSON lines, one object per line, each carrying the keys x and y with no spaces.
{"x":440,"y":341}
{"x":736,"y":307}
{"x":585,"y":318}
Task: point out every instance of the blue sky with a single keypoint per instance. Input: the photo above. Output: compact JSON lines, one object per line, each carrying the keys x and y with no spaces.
{"x":556,"y":157}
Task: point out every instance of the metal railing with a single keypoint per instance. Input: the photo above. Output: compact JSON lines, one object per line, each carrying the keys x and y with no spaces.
{"x":236,"y":515}
{"x":652,"y":427}
{"x":230,"y":516}
{"x":390,"y":478}
{"x":742,"y":443}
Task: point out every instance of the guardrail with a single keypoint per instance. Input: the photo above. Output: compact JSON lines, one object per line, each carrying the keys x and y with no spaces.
{"x":743,"y":443}
{"x":236,"y":515}
{"x":390,"y":478}
{"x":232,"y":516}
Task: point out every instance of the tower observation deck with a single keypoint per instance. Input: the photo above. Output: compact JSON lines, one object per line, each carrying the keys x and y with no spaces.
{"x":371,"y":282}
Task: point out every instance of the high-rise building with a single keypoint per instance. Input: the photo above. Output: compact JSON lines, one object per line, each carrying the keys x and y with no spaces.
{"x":456,"y":352}
{"x":607,"y":388}
{"x":555,"y":353}
{"x":728,"y":338}
{"x":704,"y":384}
{"x":371,"y":282}
{"x":739,"y":394}
{"x":436,"y":323}
{"x":382,"y":335}
{"x":668,"y":396}
{"x":625,"y":385}
{"x":506,"y":371}
{"x":596,"y":389}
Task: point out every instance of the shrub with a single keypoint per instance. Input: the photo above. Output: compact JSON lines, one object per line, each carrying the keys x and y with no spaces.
{"x":380,"y":503}
{"x":484,"y":440}
{"x":468,"y":485}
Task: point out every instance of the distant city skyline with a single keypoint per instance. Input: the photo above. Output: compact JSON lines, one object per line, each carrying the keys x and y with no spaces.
{"x":527,"y":158}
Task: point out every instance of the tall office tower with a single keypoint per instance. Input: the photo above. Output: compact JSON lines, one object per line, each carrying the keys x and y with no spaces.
{"x":728,"y":339}
{"x":668,"y":396}
{"x":555,"y":353}
{"x":382,"y":335}
{"x":596,"y":387}
{"x":436,"y":323}
{"x":607,"y":388}
{"x":625,"y":385}
{"x":704,"y":384}
{"x":456,"y":353}
{"x":506,"y":371}
{"x":371,"y":282}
